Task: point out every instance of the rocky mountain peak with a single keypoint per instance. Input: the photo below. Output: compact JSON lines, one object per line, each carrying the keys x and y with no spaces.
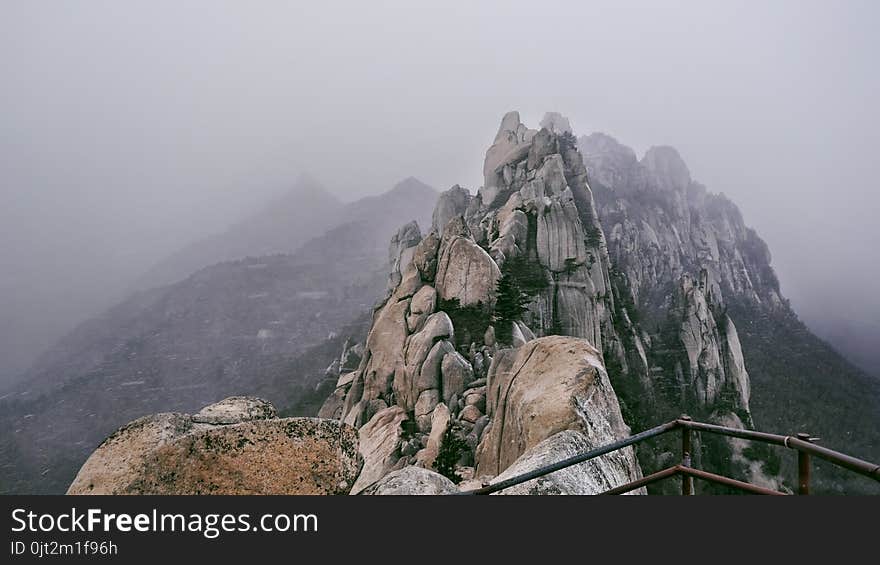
{"x":525,"y":258}
{"x":512,"y":142}
{"x":607,"y":158}
{"x":667,"y":166}
{"x":306,"y":182}
{"x":636,"y":284}
{"x":556,"y":123}
{"x":412,"y":186}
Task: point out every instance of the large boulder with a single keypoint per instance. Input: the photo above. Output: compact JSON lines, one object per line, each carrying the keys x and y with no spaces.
{"x":421,"y":306}
{"x":544,"y":387}
{"x":590,"y":477}
{"x":465,"y":271}
{"x":423,"y":354}
{"x":512,"y":143}
{"x":439,"y":423}
{"x":380,"y":446}
{"x":425,"y":256}
{"x":175,"y":454}
{"x":452,"y":203}
{"x":401,"y":250}
{"x":384,"y":353}
{"x":120,"y":459}
{"x":234,"y":410}
{"x":413,"y":481}
{"x":457,"y":375}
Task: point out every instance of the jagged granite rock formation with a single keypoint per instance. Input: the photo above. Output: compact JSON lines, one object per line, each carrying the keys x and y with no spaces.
{"x":235,"y":446}
{"x":445,"y":326}
{"x":645,"y":272}
{"x":679,"y":254}
{"x":548,"y":400}
{"x":697,"y":298}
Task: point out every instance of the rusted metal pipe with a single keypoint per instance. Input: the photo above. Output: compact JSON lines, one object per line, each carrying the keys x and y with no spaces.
{"x":733,"y":432}
{"x":803,"y":444}
{"x":687,"y":484}
{"x":713,"y":478}
{"x":803,"y":467}
{"x":854,"y":464}
{"x":653,"y":478}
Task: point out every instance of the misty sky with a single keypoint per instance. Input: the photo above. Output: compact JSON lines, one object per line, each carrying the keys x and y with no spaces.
{"x":128,"y":129}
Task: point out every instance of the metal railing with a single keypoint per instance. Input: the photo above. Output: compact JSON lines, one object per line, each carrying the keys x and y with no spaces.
{"x":802,"y":443}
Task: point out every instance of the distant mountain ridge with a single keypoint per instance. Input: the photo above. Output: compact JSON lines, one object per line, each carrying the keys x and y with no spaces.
{"x":264,"y":325}
{"x":659,"y":224}
{"x":286,"y":223}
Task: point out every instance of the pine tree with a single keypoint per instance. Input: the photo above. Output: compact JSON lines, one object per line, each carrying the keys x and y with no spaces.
{"x":510,"y":305}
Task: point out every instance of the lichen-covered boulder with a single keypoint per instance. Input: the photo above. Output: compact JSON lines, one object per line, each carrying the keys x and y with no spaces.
{"x":174,"y":454}
{"x":119,"y":460}
{"x":234,"y":410}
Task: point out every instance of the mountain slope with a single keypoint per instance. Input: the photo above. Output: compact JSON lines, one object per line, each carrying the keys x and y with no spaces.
{"x":661,"y":224}
{"x":306,"y":210}
{"x":259,"y":325}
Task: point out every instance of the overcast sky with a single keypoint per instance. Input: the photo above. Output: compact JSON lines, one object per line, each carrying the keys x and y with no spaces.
{"x":130,"y":128}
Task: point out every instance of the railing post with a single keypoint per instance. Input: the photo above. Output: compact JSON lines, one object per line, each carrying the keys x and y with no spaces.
{"x":687,"y":483}
{"x":803,"y":467}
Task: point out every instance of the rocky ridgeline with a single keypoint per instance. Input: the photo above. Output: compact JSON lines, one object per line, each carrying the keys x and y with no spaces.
{"x":680,"y":256}
{"x":641,"y":276}
{"x":529,"y":320}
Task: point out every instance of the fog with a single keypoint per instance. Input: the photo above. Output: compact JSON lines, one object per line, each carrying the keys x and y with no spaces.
{"x":130,"y":129}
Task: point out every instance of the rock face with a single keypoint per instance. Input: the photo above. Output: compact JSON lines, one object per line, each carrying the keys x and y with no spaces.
{"x":380,"y":445}
{"x":512,"y":143}
{"x":660,"y":225}
{"x":465,"y":272}
{"x":253,"y":454}
{"x":631,"y":259}
{"x":452,"y":203}
{"x":590,"y":477}
{"x":711,"y":368}
{"x":541,"y":211}
{"x":544,"y":387}
{"x":433,"y":344}
{"x":681,"y":256}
